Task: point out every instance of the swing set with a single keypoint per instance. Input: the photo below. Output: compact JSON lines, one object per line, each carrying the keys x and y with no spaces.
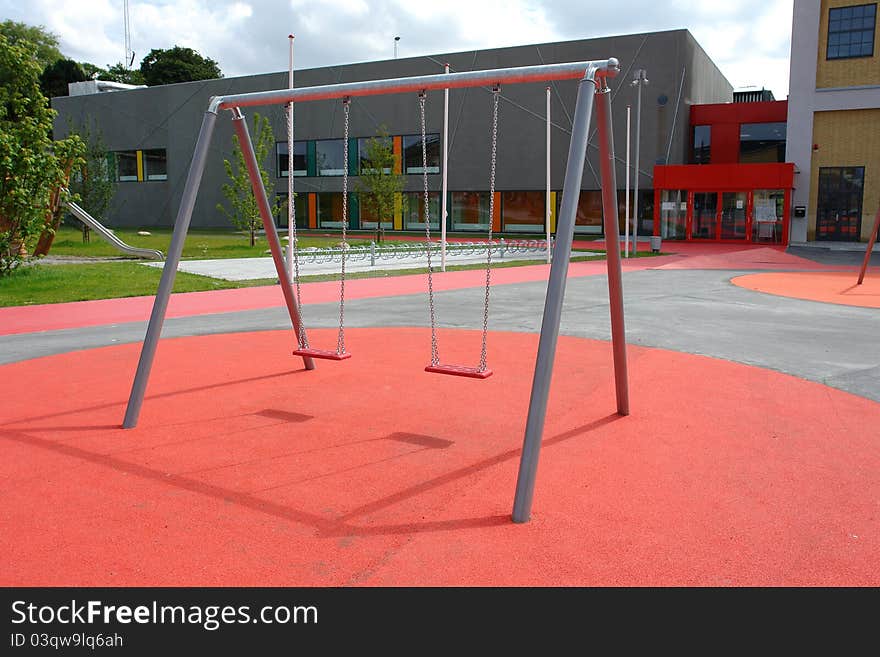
{"x":592,"y":90}
{"x":306,"y":351}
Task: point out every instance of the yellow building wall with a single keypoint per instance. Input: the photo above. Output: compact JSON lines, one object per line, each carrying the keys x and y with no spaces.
{"x":853,"y":72}
{"x":848,"y":138}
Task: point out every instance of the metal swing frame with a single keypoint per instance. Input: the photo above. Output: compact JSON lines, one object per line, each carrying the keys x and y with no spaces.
{"x":592,"y":90}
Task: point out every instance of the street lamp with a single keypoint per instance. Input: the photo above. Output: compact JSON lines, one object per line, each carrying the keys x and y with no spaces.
{"x":396,"y":39}
{"x":640,"y":79}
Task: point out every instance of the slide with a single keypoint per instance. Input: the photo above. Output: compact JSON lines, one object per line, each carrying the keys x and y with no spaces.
{"x":108,"y":235}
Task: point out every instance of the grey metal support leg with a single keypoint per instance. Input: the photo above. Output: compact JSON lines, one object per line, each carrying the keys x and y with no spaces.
{"x":166,"y":283}
{"x":612,"y":246}
{"x":250,"y":160}
{"x":574,"y":170}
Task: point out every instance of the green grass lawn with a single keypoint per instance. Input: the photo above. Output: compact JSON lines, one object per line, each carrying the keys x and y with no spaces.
{"x":202,"y":244}
{"x":40,"y":283}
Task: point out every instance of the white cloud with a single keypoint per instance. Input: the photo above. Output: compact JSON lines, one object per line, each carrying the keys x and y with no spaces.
{"x":748,"y":39}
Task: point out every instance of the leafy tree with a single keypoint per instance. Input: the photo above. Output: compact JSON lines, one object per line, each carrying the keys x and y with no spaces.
{"x":44,"y":42}
{"x":378,"y":185}
{"x":177,"y":64}
{"x":245,"y":213}
{"x":93,"y":72}
{"x":119,"y":73}
{"x":32,"y":166}
{"x":55,"y":77}
{"x":91,"y":182}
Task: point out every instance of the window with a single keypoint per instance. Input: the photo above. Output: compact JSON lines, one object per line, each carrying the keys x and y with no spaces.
{"x":300,"y":206}
{"x":364,"y":152}
{"x":523,"y":212}
{"x":329,"y":154}
{"x":702,"y":144}
{"x":412,"y":153}
{"x":851,"y":31}
{"x":470,"y":211}
{"x":762,"y":142}
{"x":300,"y":158}
{"x":155,"y":165}
{"x":414,"y":210}
{"x":589,"y":212}
{"x":126,"y":166}
{"x":329,"y":209}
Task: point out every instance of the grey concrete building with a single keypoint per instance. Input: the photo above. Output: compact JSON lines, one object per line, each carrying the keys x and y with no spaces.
{"x":152,"y":134}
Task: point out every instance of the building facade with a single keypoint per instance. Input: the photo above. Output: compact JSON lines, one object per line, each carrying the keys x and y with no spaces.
{"x":151,"y":133}
{"x":834,"y":120}
{"x":737,"y":187}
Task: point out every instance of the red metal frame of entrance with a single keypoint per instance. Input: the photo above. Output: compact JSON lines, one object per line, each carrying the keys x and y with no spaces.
{"x":721,"y":178}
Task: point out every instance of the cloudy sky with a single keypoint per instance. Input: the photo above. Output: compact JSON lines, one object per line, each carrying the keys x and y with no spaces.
{"x":748,"y":39}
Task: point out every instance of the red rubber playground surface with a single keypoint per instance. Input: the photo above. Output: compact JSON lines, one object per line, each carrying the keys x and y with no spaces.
{"x":828,"y":287}
{"x":247,"y":470}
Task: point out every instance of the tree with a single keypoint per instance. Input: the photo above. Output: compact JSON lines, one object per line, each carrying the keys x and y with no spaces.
{"x":93,"y":72}
{"x":32,"y":166}
{"x":55,"y":77}
{"x":119,"y":73}
{"x":43,"y":42}
{"x":378,"y":184}
{"x":177,"y":64}
{"x":91,"y":182}
{"x":245,"y":213}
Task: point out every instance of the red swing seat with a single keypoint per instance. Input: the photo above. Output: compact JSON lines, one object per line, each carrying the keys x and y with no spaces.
{"x":321,"y":353}
{"x":460,"y":370}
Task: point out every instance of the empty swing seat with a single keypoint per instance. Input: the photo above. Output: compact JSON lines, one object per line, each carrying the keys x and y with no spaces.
{"x":321,"y":353}
{"x":460,"y":370}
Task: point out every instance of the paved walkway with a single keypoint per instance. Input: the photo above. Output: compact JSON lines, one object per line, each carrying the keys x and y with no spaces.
{"x":246,"y":269}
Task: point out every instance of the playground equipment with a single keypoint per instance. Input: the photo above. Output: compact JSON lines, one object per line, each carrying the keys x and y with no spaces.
{"x":481,"y":371}
{"x":302,"y":337}
{"x":108,"y":235}
{"x":592,"y":89}
{"x":871,"y":242}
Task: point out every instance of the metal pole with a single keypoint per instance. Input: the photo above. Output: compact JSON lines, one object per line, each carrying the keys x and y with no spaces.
{"x":640,"y":80}
{"x":166,"y":283}
{"x":870,"y":248}
{"x":250,"y":160}
{"x":574,"y":170}
{"x":291,"y":217}
{"x":612,"y":247}
{"x":637,"y":172}
{"x":443,"y":186}
{"x":516,"y":75}
{"x":626,"y":222}
{"x":547,"y":192}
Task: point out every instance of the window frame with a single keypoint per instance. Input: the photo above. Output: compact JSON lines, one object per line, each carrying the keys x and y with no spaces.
{"x":431,"y":139}
{"x":836,"y":15}
{"x":153,"y":177}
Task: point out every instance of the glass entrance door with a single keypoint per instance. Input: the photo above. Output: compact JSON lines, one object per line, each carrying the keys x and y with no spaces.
{"x":733,"y":216}
{"x":839,"y":207}
{"x":705,"y":216}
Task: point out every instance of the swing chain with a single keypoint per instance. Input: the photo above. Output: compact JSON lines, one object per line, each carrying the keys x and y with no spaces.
{"x":496,"y":92}
{"x":435,"y":355}
{"x":340,"y":338}
{"x":302,"y":338}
